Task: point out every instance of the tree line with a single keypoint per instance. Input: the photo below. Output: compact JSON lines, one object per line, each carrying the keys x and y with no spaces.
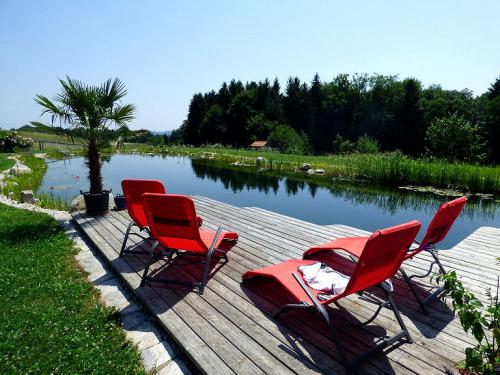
{"x":377,"y":111}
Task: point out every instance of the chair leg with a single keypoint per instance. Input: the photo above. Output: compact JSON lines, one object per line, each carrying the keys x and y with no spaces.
{"x":413,"y":290}
{"x":206,"y":269}
{"x":129,"y":227}
{"x":326,"y":317}
{"x":150,"y":260}
{"x":435,"y":255}
{"x":395,"y":309}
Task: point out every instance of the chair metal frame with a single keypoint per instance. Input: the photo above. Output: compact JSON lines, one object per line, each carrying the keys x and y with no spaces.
{"x":433,"y":250}
{"x":206,"y":262}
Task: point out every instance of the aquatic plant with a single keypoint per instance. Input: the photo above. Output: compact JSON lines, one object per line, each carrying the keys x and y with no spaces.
{"x":393,"y":169}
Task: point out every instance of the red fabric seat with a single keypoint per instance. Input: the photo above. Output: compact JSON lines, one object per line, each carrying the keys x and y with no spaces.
{"x":173,"y":223}
{"x":380,"y":259}
{"x":133,"y":190}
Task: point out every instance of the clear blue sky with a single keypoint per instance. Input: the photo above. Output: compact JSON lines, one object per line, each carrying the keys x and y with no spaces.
{"x":167,"y":50}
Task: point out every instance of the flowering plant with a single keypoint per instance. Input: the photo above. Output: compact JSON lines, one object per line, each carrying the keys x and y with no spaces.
{"x":11,"y":141}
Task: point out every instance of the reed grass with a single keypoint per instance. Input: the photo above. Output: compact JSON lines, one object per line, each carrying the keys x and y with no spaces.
{"x":388,"y":168}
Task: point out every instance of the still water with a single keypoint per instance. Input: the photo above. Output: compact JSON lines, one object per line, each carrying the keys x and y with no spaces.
{"x":359,"y":205}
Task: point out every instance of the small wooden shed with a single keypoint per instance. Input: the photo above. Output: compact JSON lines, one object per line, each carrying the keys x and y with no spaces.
{"x":259,"y":145}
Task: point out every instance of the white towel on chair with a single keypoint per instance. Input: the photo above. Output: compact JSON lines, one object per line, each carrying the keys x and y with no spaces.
{"x":320,"y":277}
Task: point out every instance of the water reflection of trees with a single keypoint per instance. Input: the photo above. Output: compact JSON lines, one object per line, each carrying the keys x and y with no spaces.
{"x":235,"y":180}
{"x":359,"y":194}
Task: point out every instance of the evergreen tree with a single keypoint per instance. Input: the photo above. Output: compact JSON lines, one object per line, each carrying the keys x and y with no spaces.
{"x":409,"y":133}
{"x":195,"y":117}
{"x":492,"y":120}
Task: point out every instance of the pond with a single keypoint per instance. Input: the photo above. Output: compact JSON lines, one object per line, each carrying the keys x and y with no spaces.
{"x":358,"y":205}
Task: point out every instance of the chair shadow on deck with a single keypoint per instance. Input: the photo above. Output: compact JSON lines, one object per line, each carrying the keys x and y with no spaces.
{"x":440,"y":314}
{"x":184,"y":268}
{"x":308,"y":338}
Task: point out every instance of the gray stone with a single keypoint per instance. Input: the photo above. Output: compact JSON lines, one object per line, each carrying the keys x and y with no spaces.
{"x":305,"y":167}
{"x":310,"y":172}
{"x":319,"y":171}
{"x":77,"y":204}
{"x":112,"y":292}
{"x":157,"y":356}
{"x":144,"y":336}
{"x":40,"y":156}
{"x":18,"y":169}
{"x":175,"y":367}
{"x":26,"y":196}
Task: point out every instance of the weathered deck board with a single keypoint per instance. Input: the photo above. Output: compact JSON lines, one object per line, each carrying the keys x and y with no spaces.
{"x":230,"y":329}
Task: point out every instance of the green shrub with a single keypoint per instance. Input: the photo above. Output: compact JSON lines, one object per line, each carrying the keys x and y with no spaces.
{"x":367,"y":145}
{"x":286,"y":140}
{"x":455,"y":139}
{"x":341,"y":146}
{"x":484,"y":357}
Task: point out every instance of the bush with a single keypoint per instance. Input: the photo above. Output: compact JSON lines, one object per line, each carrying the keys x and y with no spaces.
{"x":455,"y":139}
{"x":367,"y":145}
{"x":341,"y":146}
{"x":11,"y":141}
{"x":286,"y":140}
{"x":483,"y":322}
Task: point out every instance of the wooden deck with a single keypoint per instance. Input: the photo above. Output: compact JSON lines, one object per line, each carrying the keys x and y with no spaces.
{"x":229,"y":329}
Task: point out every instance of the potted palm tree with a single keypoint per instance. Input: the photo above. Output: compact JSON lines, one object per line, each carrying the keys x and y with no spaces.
{"x":90,"y":110}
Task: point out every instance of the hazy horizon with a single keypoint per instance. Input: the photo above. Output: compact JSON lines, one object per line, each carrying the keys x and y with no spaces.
{"x":166,"y":52}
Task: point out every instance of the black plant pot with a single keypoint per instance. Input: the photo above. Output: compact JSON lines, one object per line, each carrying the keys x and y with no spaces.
{"x":96,"y":204}
{"x":120,"y":202}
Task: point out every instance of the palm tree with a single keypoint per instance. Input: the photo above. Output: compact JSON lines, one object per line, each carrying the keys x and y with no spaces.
{"x":90,"y":110}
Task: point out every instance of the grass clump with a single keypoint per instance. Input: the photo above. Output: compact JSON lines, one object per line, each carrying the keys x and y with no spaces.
{"x":4,"y":162}
{"x":52,"y":320}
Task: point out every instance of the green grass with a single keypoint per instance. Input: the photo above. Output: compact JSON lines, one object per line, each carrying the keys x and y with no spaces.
{"x":52,"y":320}
{"x":4,"y":162}
{"x":392,"y":169}
{"x":53,"y":142}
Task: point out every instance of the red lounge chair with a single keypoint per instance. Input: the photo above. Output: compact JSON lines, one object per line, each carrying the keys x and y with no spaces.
{"x":383,"y":253}
{"x":436,"y":232}
{"x":174,"y":225}
{"x":133,"y":190}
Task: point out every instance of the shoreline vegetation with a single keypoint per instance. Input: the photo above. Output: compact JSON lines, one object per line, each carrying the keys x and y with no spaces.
{"x":31,"y":181}
{"x":392,"y":169}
